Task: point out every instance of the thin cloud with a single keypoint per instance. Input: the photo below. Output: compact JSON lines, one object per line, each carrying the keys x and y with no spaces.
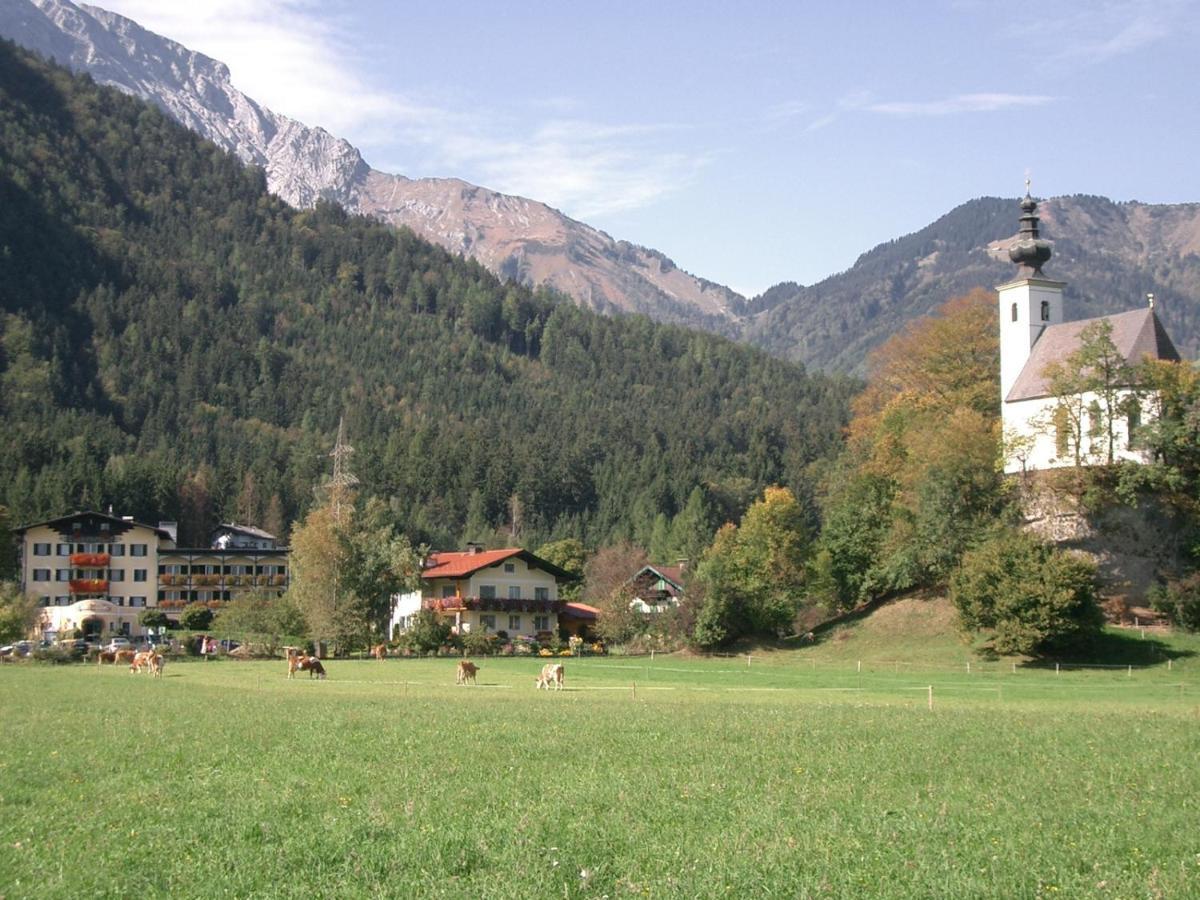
{"x":962,"y":103}
{"x":1099,"y":33}
{"x":294,"y":58}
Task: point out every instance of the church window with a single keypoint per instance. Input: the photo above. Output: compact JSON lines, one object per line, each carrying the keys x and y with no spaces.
{"x":1062,"y":432}
{"x":1014,"y":312}
{"x":1045,"y":310}
{"x":1133,"y":421}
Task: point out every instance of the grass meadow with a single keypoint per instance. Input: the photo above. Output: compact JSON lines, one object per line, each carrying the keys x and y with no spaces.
{"x":794,"y":774}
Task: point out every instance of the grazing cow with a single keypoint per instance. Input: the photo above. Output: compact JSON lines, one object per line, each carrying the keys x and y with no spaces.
{"x":106,"y":656}
{"x":552,"y":673}
{"x":313,"y":666}
{"x":466,"y":672}
{"x":124,"y":656}
{"x":140,"y":659}
{"x":156,"y":664}
{"x":379,"y":651}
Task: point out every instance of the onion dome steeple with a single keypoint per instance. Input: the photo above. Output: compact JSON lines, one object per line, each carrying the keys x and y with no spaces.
{"x":1030,"y":252}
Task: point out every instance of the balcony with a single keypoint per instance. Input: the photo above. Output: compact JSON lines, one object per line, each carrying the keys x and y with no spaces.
{"x":89,"y":586}
{"x":90,"y":560}
{"x":491,"y":604}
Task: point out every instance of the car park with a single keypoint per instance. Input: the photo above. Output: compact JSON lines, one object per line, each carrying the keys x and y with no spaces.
{"x":119,"y":643}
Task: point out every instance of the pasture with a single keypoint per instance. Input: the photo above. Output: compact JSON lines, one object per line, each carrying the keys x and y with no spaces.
{"x":794,"y":775}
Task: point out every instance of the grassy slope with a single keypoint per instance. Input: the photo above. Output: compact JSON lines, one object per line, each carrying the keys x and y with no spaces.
{"x":794,"y":775}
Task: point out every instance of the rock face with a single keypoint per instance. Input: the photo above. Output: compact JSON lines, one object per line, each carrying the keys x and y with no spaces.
{"x":1132,"y":547}
{"x":515,"y":237}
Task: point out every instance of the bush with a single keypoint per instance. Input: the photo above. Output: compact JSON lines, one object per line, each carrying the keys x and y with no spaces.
{"x":1179,"y":601}
{"x":478,"y":643}
{"x":196,"y":617}
{"x":427,"y":632}
{"x":1026,"y":596}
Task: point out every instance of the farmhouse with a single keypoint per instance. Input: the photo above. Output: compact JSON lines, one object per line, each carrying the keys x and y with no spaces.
{"x":509,"y":590}
{"x":657,"y":588}
{"x":96,"y":572}
{"x":1044,"y":431}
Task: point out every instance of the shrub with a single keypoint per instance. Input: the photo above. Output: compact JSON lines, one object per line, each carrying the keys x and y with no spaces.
{"x":427,"y":632}
{"x":196,"y":617}
{"x":1180,"y":602}
{"x":1025,"y":596}
{"x":478,"y":643}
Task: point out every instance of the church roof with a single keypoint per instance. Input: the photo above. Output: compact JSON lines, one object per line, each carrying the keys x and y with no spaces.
{"x":1136,"y":334}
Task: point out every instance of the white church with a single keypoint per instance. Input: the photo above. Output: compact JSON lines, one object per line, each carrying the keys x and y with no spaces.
{"x":1033,"y":336}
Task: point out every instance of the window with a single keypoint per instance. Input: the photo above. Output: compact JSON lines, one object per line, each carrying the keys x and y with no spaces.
{"x":514,"y":623}
{"x":62,"y":601}
{"x":45,"y":601}
{"x":116,"y":574}
{"x":1095,"y":420}
{"x":116,"y":601}
{"x":514,"y":592}
{"x":62,"y":574}
{"x":139,"y":574}
{"x":447,"y":591}
{"x":1133,"y":421}
{"x":487,"y":592}
{"x":541,"y":593}
{"x":1014,"y":312}
{"x":63,"y":550}
{"x":116,"y":549}
{"x":89,"y":548}
{"x":509,"y":568}
{"x":1045,"y":310}
{"x":487,"y":622}
{"x":1062,"y":432}
{"x":41,"y":549}
{"x":41,"y":574}
{"x":137,"y":549}
{"x":541,"y":623}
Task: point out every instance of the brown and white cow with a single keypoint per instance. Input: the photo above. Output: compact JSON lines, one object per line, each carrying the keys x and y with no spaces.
{"x":379,"y":651}
{"x":124,"y":656}
{"x":106,"y":656}
{"x":141,"y":659}
{"x":552,"y":673}
{"x":156,"y":665}
{"x":466,"y":672}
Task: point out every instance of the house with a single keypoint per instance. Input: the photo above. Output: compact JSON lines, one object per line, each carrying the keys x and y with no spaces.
{"x":657,"y":588}
{"x":97,"y":572}
{"x":509,"y":590}
{"x":1033,"y":336}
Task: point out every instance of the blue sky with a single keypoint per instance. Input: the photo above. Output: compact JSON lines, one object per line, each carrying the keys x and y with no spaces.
{"x":753,"y":143}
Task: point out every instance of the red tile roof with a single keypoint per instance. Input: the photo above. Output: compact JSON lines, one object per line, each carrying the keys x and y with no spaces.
{"x":463,"y":563}
{"x":580,"y":611}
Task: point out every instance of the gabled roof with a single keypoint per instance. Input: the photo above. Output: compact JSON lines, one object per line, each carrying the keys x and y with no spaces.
{"x":672,"y":575}
{"x":1136,"y":334}
{"x":580,"y":611}
{"x":62,"y":522}
{"x":460,"y":564}
{"x":248,"y":530}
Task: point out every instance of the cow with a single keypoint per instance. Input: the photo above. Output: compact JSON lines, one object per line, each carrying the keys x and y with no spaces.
{"x":466,"y":672}
{"x":124,"y":656}
{"x":313,"y":666}
{"x":156,"y":664}
{"x":106,"y":656}
{"x":379,"y":651}
{"x":552,"y":673}
{"x":140,"y":659}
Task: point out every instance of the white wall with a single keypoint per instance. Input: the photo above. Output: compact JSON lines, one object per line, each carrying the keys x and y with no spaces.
{"x":1031,"y":443}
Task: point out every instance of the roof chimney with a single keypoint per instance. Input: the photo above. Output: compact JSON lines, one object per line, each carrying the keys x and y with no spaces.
{"x":171,"y":528}
{"x":682,"y":563}
{"x":1150,"y":300}
{"x":473,"y":548}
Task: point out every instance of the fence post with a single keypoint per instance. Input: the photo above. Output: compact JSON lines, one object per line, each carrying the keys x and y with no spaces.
{"x":651,"y":656}
{"x":931,"y":696}
{"x":1014,"y":668}
{"x":860,"y":666}
{"x":635,"y":690}
{"x":1056,"y":668}
{"x":1169,"y":661}
{"x":968,"y":667}
{"x":748,"y":660}
{"x":1130,"y":671}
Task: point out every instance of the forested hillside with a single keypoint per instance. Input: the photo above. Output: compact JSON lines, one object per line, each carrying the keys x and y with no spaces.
{"x":176,"y":341}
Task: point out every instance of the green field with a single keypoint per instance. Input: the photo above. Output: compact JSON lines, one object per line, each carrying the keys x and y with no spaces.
{"x":791,"y":774}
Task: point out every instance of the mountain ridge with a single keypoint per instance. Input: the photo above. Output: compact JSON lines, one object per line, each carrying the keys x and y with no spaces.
{"x":514,"y":237}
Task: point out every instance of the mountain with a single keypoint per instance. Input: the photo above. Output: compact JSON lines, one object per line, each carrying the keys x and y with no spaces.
{"x":176,"y":341}
{"x":514,"y":237}
{"x":1110,"y":254}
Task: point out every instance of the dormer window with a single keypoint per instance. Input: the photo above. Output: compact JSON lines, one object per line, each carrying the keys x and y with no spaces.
{"x":1014,"y":312}
{"x":1045,"y":310}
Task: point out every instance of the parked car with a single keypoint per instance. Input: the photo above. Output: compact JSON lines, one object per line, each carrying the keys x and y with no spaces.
{"x":74,"y":646}
{"x":119,"y":643}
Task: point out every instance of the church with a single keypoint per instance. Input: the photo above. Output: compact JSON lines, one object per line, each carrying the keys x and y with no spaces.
{"x":1041,"y":431}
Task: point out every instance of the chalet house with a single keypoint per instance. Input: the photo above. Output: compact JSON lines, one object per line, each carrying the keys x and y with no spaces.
{"x":478,"y":590}
{"x":656,"y":588}
{"x":97,"y":573}
{"x":1034,"y":336}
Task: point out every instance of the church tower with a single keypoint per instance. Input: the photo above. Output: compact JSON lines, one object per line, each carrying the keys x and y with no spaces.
{"x":1030,"y":303}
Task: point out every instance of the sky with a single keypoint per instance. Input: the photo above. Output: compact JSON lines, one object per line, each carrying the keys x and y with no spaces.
{"x":752,"y":142}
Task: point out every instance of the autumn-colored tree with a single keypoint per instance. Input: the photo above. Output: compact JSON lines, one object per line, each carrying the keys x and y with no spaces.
{"x":606,"y":586}
{"x":18,"y":612}
{"x":754,"y":573}
{"x":920,"y":470}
